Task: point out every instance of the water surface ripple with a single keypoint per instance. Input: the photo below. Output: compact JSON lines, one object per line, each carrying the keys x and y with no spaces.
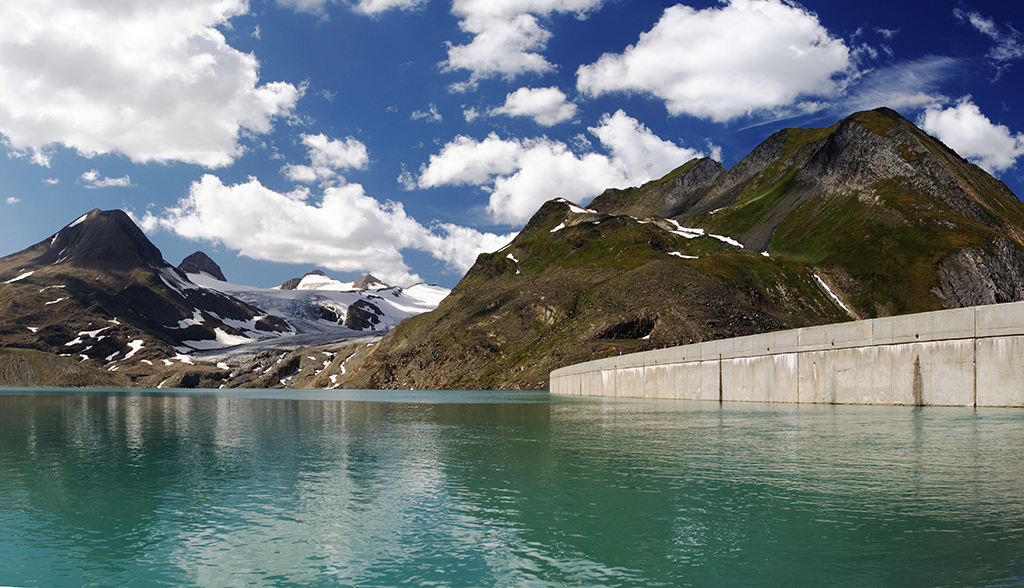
{"x":275,"y":488}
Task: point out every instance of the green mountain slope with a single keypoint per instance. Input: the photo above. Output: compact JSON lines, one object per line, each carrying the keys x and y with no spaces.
{"x":884,"y":216}
{"x":896,"y":220}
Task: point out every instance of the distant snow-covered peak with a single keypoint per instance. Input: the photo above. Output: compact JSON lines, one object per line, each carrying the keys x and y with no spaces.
{"x":317,"y":281}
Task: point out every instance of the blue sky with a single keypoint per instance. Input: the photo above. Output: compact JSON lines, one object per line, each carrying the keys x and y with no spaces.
{"x":403,"y":137}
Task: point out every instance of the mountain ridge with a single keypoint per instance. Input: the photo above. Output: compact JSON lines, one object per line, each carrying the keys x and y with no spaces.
{"x":868,"y":217}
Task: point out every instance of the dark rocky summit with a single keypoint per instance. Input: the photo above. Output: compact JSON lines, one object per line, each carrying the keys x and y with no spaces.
{"x":368,"y":281}
{"x":200,"y":263}
{"x":100,"y":291}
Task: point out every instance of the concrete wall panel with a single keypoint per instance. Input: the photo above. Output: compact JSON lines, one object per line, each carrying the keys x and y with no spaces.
{"x":811,"y":384}
{"x":960,"y":357}
{"x":932,"y":326}
{"x":1000,"y":371}
{"x":999,"y":320}
{"x":710,"y":380}
{"x":786,"y":372}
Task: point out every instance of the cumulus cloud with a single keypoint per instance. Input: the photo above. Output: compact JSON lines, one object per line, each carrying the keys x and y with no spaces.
{"x":521,"y":174}
{"x":507,"y":36}
{"x":721,"y":63}
{"x":155,"y":81}
{"x":327,"y":157}
{"x":971,"y":134}
{"x":345,"y":230}
{"x":92,"y":179}
{"x":546,"y":106}
{"x":13,"y":200}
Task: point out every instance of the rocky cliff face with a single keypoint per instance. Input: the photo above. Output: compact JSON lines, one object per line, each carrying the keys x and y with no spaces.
{"x":973,"y":277}
{"x":677,"y":192}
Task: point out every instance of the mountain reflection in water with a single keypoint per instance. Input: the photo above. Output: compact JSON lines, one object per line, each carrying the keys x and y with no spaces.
{"x":273,"y":488}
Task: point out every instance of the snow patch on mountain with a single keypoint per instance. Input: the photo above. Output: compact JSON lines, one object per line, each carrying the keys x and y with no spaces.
{"x":822,"y":283}
{"x":21,"y":277}
{"x":173,"y":280}
{"x":728,"y":240}
{"x":223,"y":339}
{"x":136,"y":346}
{"x":80,"y":220}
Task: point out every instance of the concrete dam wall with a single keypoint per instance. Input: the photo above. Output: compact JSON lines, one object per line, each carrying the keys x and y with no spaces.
{"x":961,"y":357}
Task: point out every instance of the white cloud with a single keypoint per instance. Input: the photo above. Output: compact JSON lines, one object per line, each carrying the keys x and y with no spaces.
{"x":327,"y":157}
{"x":13,"y":200}
{"x":367,"y":7}
{"x":92,"y":179}
{"x":507,"y":36}
{"x":909,"y":85}
{"x":1008,"y":46}
{"x":722,"y":63}
{"x":432,"y":115}
{"x":155,"y":81}
{"x":521,"y":174}
{"x":971,"y":134}
{"x":51,"y":181}
{"x":345,"y":231}
{"x":308,"y":6}
{"x":374,"y":7}
{"x":546,"y":106}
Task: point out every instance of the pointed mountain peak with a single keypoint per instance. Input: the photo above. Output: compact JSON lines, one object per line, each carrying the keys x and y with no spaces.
{"x":368,"y":282}
{"x":99,"y":239}
{"x":92,"y":214}
{"x":665,"y":197}
{"x":200,"y":263}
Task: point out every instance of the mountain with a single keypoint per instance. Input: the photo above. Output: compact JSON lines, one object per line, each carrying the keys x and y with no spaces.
{"x":27,"y":368}
{"x":100,"y":291}
{"x":200,"y":263}
{"x":97,"y":305}
{"x":368,"y":282}
{"x":293,"y":283}
{"x":318,"y":280}
{"x":318,"y":304}
{"x":893,"y":220}
{"x":868,"y":217}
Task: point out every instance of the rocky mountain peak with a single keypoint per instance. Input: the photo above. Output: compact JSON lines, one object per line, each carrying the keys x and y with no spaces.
{"x":200,"y":263}
{"x":368,"y":282}
{"x":666,"y":197}
{"x":105,"y":240}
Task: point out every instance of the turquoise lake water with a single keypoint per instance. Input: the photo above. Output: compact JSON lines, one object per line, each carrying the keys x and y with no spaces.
{"x":285,"y":488}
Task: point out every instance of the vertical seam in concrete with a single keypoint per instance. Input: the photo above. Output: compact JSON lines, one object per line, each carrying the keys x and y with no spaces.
{"x":975,"y":360}
{"x":720,"y":395}
{"x":798,"y":372}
